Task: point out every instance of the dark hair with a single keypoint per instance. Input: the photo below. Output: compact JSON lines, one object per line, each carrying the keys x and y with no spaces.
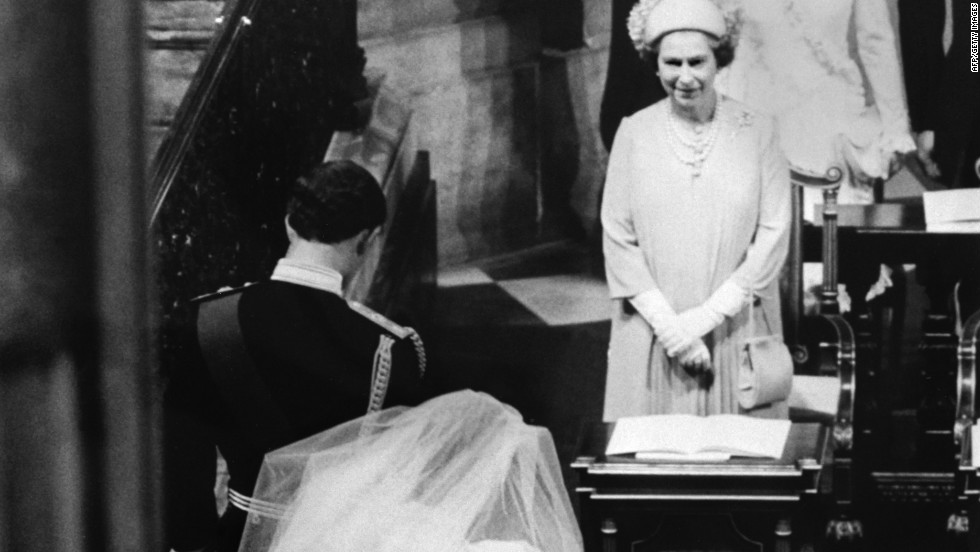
{"x":723,"y":49}
{"x":335,"y":201}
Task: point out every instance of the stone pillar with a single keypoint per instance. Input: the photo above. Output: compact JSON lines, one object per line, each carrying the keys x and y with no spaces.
{"x":77,"y":421}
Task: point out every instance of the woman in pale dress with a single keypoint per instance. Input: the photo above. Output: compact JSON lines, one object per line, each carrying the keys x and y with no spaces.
{"x":696,"y":216}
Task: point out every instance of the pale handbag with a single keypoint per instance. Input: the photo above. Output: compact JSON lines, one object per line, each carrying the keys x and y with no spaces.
{"x":765,"y":368}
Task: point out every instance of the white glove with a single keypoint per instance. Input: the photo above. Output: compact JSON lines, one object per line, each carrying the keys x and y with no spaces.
{"x":654,"y":308}
{"x":728,"y":300}
{"x":700,"y":321}
{"x":696,"y":356}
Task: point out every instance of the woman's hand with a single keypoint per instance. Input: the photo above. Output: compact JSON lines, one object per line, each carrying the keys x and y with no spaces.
{"x":696,"y":358}
{"x":674,"y":338}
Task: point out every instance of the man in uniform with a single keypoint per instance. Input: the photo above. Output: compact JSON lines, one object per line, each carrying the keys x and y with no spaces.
{"x":284,"y":359}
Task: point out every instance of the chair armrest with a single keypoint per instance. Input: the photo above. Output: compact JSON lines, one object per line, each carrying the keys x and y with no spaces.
{"x":844,"y":368}
{"x":966,"y":476}
{"x":966,"y":387}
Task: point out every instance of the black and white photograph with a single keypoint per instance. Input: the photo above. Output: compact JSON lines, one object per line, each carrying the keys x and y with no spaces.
{"x":489,"y":275}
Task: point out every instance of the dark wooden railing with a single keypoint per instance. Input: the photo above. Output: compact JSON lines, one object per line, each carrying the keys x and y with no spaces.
{"x":279,"y":78}
{"x":166,"y":164}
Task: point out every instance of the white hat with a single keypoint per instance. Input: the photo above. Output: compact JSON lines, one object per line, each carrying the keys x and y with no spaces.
{"x":650,"y":20}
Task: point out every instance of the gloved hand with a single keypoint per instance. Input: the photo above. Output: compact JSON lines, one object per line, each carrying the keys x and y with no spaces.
{"x":654,"y":308}
{"x":675,"y":339}
{"x":696,"y":358}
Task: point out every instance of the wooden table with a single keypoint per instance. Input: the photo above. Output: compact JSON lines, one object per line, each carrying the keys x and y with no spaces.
{"x":631,"y":505}
{"x":893,"y":233}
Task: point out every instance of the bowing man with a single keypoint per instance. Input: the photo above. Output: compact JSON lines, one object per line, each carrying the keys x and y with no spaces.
{"x":285,"y":358}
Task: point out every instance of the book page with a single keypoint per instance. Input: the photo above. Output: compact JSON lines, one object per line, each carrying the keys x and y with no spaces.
{"x":746,"y":436}
{"x":681,"y":434}
{"x":677,"y":433}
{"x":694,"y":457}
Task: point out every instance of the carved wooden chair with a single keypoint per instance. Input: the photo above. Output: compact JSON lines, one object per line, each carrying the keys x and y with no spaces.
{"x":823,"y":349}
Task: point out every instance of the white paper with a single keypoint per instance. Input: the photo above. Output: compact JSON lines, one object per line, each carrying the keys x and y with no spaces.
{"x":960,"y":227}
{"x":685,"y":434}
{"x":975,"y":445}
{"x":818,"y":393}
{"x":952,"y":210}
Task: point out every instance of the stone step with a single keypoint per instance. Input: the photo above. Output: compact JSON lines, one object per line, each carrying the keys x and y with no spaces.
{"x":384,"y":18}
{"x":181,"y":24}
{"x":178,"y":35}
{"x":420,"y":59}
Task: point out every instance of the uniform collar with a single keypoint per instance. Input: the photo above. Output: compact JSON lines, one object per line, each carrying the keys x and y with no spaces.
{"x":309,"y":275}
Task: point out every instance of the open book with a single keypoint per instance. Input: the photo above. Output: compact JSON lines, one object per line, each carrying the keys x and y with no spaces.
{"x":696,"y":438}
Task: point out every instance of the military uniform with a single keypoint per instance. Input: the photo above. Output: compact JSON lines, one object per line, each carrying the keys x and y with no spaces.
{"x":279,"y":361}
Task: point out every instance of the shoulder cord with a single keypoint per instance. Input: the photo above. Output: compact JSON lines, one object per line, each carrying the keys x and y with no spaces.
{"x":256,"y":506}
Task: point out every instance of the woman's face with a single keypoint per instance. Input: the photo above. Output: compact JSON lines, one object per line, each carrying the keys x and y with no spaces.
{"x":687,"y":68}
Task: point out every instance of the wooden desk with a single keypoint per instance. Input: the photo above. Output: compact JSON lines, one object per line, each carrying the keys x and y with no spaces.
{"x":630,"y":505}
{"x":892,"y":233}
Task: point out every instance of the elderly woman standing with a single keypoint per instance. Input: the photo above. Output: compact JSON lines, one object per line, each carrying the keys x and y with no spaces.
{"x":695,"y":217}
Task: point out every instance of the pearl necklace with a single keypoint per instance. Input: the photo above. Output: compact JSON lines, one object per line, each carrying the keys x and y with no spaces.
{"x":693,"y":152}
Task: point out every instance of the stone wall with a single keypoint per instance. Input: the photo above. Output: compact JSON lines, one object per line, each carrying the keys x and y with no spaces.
{"x":512,"y":128}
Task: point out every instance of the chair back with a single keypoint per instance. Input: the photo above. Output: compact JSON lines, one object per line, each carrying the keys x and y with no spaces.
{"x":791,"y":282}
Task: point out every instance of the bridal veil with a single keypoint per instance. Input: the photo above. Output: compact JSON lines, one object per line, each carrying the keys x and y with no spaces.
{"x":461,"y":472}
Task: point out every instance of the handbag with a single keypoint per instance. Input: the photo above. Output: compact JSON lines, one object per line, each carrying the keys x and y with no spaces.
{"x":765,"y":368}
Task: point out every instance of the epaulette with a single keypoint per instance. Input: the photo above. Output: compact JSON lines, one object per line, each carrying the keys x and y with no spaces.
{"x":383,"y":355}
{"x":222,"y":291}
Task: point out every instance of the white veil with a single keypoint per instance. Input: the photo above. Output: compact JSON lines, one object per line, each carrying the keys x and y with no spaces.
{"x":461,"y":472}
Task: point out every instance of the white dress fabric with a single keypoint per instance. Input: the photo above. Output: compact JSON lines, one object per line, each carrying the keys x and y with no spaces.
{"x":664,"y":229}
{"x":799,"y":61}
{"x":459,"y":473}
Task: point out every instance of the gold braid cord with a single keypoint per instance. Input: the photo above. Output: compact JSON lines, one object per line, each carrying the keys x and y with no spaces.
{"x":401,"y":332}
{"x":380,"y":374}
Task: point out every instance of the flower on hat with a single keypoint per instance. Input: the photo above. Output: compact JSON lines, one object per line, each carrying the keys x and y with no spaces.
{"x":636,"y":23}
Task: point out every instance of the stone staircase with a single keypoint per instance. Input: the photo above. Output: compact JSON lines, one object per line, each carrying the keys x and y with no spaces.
{"x":178,"y":34}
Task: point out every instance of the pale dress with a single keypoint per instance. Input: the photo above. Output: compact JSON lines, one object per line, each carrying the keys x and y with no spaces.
{"x":801,"y":62}
{"x":686,"y":236}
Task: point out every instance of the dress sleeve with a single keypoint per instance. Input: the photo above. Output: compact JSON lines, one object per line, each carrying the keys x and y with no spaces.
{"x":767,"y":252}
{"x":627,"y":272}
{"x":879,"y":58}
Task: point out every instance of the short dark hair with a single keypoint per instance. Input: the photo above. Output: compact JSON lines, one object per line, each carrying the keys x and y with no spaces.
{"x":335,"y":201}
{"x":723,"y":49}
